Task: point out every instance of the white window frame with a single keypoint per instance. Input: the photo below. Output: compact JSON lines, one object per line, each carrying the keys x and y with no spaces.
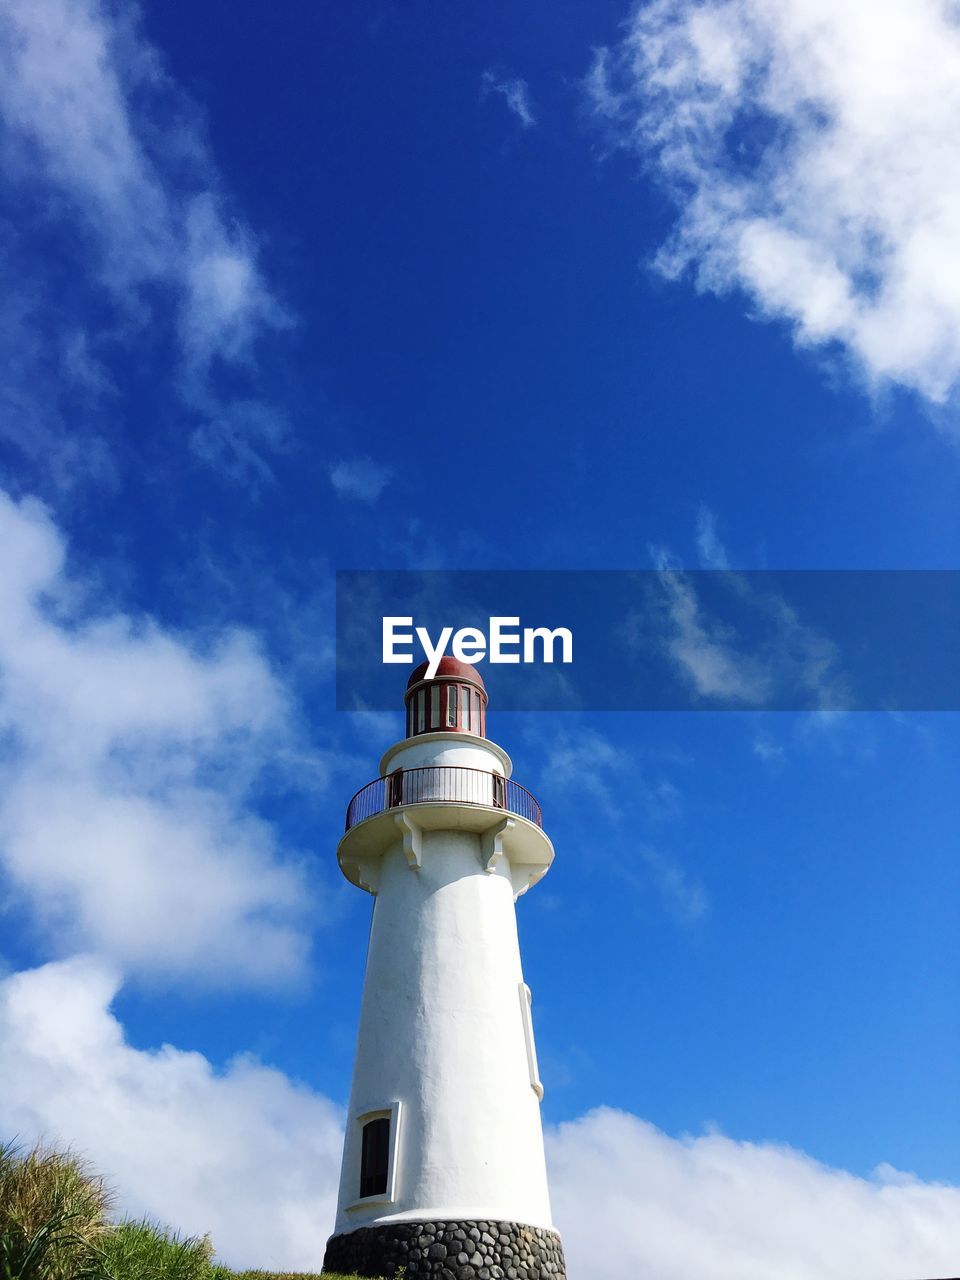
{"x":393,"y":1113}
{"x":526,"y":1011}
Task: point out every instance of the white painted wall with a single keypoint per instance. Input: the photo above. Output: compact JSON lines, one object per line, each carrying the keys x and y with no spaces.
{"x":442,"y":1032}
{"x":446,"y":748}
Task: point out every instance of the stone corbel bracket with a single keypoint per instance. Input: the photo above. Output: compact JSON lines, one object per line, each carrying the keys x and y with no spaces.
{"x":412,"y":840}
{"x":491,"y":844}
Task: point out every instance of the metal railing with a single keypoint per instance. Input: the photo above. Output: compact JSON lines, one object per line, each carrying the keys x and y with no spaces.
{"x":444,"y":784}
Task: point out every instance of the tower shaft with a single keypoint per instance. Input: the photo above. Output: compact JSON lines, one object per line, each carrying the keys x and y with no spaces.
{"x":442,"y":1034}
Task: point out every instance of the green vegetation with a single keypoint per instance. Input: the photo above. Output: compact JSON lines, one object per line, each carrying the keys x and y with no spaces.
{"x":55,"y":1225}
{"x":225,"y":1274}
{"x":53,"y":1216}
{"x":142,"y":1251}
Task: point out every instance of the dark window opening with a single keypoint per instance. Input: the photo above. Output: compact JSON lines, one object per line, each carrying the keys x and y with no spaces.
{"x":395,"y":789}
{"x":374,"y":1157}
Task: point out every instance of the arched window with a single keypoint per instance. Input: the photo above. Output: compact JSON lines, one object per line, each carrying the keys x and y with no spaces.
{"x":452,"y":706}
{"x":375,"y":1157}
{"x":465,"y":699}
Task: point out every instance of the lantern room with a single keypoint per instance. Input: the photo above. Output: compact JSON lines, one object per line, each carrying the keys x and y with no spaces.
{"x":453,"y":700}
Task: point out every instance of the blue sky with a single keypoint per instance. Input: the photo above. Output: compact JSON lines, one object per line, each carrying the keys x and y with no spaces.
{"x":387,"y":286}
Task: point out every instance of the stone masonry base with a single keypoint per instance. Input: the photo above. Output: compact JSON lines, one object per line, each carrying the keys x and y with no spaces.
{"x":449,"y":1250}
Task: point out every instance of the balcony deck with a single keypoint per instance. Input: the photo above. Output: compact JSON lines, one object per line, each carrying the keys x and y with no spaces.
{"x":443,"y":784}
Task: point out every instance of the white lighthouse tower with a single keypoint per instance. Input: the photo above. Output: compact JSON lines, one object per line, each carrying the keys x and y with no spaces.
{"x":443,"y":1167}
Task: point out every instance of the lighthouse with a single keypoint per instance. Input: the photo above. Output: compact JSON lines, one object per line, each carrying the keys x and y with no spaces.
{"x":443,"y":1169}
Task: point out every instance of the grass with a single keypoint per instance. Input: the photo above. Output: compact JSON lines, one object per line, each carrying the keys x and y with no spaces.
{"x":223,"y":1273}
{"x":55,"y":1225}
{"x":53,"y":1215}
{"x":142,"y":1251}
{"x":44,"y":1183}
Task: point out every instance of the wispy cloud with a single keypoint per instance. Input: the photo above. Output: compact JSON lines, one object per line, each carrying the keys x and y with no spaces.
{"x":787,"y":657}
{"x":100,"y":139}
{"x":812,"y":153}
{"x":587,"y":763}
{"x":684,"y":896}
{"x":360,"y":478}
{"x":767,"y":749}
{"x":713,"y":554}
{"x":131,"y":755}
{"x":704,"y":649}
{"x":375,"y":729}
{"x":239,"y":437}
{"x":514,"y":91}
{"x":664,"y":799}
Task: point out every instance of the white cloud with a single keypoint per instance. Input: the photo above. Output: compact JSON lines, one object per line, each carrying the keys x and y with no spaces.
{"x":253,"y":1158}
{"x":92,"y":120}
{"x":703,"y":648}
{"x":585,"y":762}
{"x":129,"y":755}
{"x":246,"y":1154}
{"x":631,"y":1201}
{"x":813,"y":154}
{"x":713,"y":554}
{"x":588,"y":764}
{"x":359,"y":478}
{"x":55,"y":393}
{"x":514,"y":91}
{"x":785,"y":661}
{"x":767,"y":749}
{"x":237,"y":436}
{"x":664,"y":799}
{"x":683,"y":895}
{"x":71,"y":76}
{"x":375,"y":729}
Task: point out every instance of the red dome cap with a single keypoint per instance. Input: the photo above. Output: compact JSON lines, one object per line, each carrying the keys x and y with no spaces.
{"x":452,"y":700}
{"x":452,"y":669}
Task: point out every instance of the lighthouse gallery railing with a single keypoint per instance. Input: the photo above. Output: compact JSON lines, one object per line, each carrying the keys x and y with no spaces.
{"x":444,"y":783}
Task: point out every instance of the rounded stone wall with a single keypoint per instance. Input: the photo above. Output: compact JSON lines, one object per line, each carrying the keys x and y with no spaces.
{"x":473,"y":1250}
